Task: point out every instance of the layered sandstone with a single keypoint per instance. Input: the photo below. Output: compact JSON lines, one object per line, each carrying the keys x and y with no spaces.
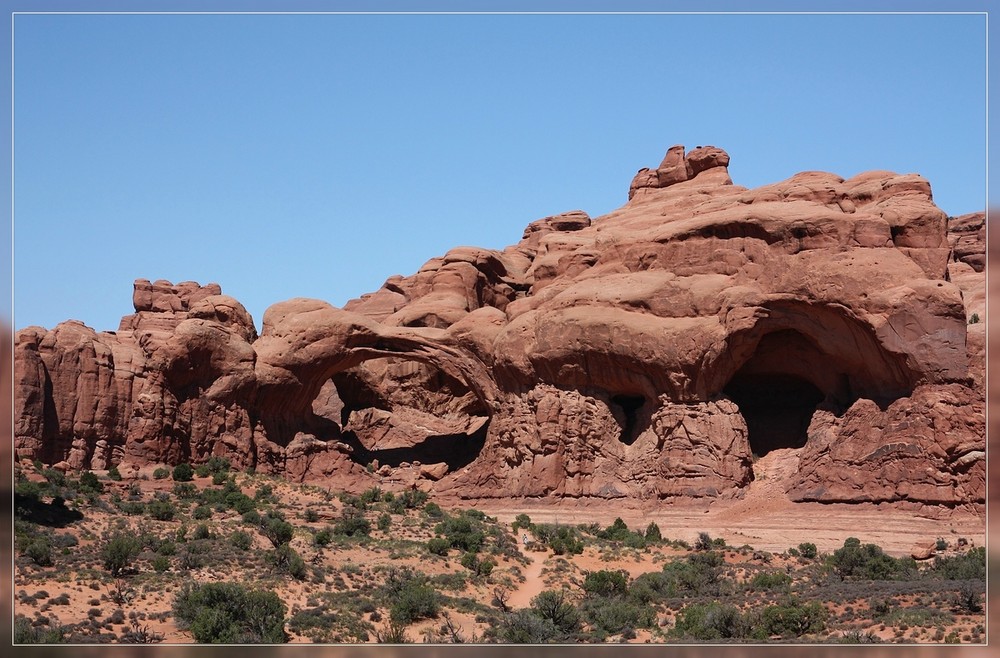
{"x":647,"y":353}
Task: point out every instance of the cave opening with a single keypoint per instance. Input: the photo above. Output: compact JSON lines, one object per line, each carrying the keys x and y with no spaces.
{"x":777,"y":408}
{"x":629,"y":408}
{"x":395,"y":410}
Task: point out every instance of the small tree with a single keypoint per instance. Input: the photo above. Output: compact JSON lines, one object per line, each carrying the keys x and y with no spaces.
{"x":183,"y":473}
{"x":120,"y":551}
{"x":231,"y":613}
{"x":277,"y":530}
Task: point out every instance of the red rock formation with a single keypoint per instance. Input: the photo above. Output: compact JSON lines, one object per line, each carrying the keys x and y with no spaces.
{"x":647,"y":353}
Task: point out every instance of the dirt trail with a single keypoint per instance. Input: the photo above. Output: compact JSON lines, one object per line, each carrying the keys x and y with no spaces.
{"x":533,"y":583}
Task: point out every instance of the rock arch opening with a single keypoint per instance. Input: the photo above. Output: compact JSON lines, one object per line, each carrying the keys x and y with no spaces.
{"x":777,"y":409}
{"x":779,"y":388}
{"x":628,"y":410}
{"x":394,"y":410}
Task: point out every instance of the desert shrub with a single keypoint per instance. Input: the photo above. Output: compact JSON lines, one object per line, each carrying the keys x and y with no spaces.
{"x":462,"y":532}
{"x":969,"y":597}
{"x":711,"y":621}
{"x":352,"y":524}
{"x":216,"y":464}
{"x":704,"y":542}
{"x":553,"y":606}
{"x":286,"y":559}
{"x":868,"y":562}
{"x":433,"y":510}
{"x":161,"y":510}
{"x":522,"y":521}
{"x":415,"y":600}
{"x":793,"y":618}
{"x":114,"y":475}
{"x":183,"y":473}
{"x":698,"y":574}
{"x":526,"y":627}
{"x":277,"y":530}
{"x":166,"y":548}
{"x":39,"y":550}
{"x":384,"y":521}
{"x":202,"y":512}
{"x":653,"y":533}
{"x":974,"y":318}
{"x":808,"y":550}
{"x":186,"y":490}
{"x":230,"y":613}
{"x":438,"y":545}
{"x":970,"y":565}
{"x":771,"y":580}
{"x":310,"y":515}
{"x":562,"y":539}
{"x":161,"y":563}
{"x":241,"y":540}
{"x":240,"y":502}
{"x":606,"y":583}
{"x":90,"y":484}
{"x":202,"y":531}
{"x":119,"y":551}
{"x":161,"y":473}
{"x":220,"y":478}
{"x":323,"y":537}
{"x":616,"y":615}
{"x":27,"y":633}
{"x":479,"y":567}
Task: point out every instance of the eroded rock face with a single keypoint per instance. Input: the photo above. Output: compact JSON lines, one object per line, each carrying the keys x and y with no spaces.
{"x":648,"y":353}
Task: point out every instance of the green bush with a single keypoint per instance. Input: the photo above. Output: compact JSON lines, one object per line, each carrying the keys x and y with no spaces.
{"x":277,"y":530}
{"x":384,"y":522}
{"x":323,"y":537}
{"x":526,"y":627}
{"x":606,"y":583}
{"x":241,"y":540}
{"x":522,"y":521}
{"x":352,"y":524}
{"x":161,"y":473}
{"x":794,"y":618}
{"x":183,"y":473}
{"x":711,"y":621}
{"x":161,"y":510}
{"x":231,"y":613}
{"x":114,"y":475}
{"x":616,"y":615}
{"x":971,"y":565}
{"x":553,"y":606}
{"x":285,"y":559}
{"x":462,"y":532}
{"x":27,"y":633}
{"x":438,"y":545}
{"x":90,"y":484}
{"x":808,"y":550}
{"x":202,"y":512}
{"x":562,"y":539}
{"x":40,"y":551}
{"x":771,"y":580}
{"x":161,"y":563}
{"x":202,"y":531}
{"x":433,"y":510}
{"x":240,"y":502}
{"x":868,"y":562}
{"x":415,"y":600}
{"x":653,"y":533}
{"x":119,"y":551}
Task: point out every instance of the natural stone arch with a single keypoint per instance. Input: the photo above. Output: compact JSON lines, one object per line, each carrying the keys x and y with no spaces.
{"x":307,"y":342}
{"x":785,"y":359}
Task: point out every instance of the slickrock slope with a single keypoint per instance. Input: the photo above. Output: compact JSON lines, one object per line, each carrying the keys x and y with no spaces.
{"x":648,"y":353}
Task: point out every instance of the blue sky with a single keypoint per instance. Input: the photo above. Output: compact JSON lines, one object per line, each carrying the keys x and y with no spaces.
{"x":315,"y":156}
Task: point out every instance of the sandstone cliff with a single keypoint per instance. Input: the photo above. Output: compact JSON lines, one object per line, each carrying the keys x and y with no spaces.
{"x":648,"y":353}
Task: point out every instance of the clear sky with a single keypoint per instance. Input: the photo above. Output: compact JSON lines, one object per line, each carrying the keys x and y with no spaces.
{"x":315,"y":156}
